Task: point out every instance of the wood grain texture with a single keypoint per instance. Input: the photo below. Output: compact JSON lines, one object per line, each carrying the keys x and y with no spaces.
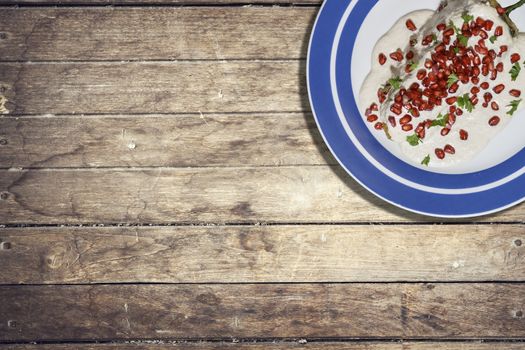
{"x":162,"y":140}
{"x":193,"y":195}
{"x":176,"y":33}
{"x":102,"y":312}
{"x":349,"y":345}
{"x":154,"y":87}
{"x":263,"y":254}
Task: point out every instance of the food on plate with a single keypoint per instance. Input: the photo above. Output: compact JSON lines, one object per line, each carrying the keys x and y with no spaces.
{"x":444,"y":83}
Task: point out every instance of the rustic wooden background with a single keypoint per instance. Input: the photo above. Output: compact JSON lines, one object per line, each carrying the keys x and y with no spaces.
{"x":163,"y":186}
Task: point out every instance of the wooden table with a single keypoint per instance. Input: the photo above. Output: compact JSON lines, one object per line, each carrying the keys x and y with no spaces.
{"x":164,"y":186}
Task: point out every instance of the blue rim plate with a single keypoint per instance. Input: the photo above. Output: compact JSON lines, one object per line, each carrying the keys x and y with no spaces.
{"x":329,"y":76}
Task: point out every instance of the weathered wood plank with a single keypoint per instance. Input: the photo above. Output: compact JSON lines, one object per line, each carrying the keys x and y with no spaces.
{"x":349,"y":345}
{"x":218,"y":195}
{"x":157,"y":195}
{"x":103,"y":312}
{"x":155,"y":33}
{"x":162,"y":140}
{"x":154,"y":87}
{"x":263,"y":254}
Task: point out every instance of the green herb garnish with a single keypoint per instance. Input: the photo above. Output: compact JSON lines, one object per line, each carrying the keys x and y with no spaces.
{"x":456,"y":50}
{"x":414,"y":65}
{"x":452,"y":78}
{"x":463,"y":40}
{"x":441,"y":120}
{"x":465,"y":103}
{"x":413,"y":140}
{"x":515,"y":71}
{"x":426,"y":160}
{"x":467,"y":18}
{"x":493,"y":39}
{"x":513,"y":106}
{"x":395,"y":83}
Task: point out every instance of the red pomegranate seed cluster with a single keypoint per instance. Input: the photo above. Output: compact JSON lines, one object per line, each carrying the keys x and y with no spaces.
{"x":461,"y":57}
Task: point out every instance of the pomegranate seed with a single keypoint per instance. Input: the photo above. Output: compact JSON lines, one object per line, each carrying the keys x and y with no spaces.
{"x":480,"y":22}
{"x":451,"y":100}
{"x":372,"y":118}
{"x":374,"y":107}
{"x":487,"y":96}
{"x":414,"y":112}
{"x":392,"y":121}
{"x":452,"y":109}
{"x":501,"y":10}
{"x":414,"y":86}
{"x":449,"y":149}
{"x":494,"y":106}
{"x":485,"y":104}
{"x":421,"y":133}
{"x":475,"y":90}
{"x":493,"y":75}
{"x":397,"y":56}
{"x":483,"y":34}
{"x":405,"y":120}
{"x":448,"y":32}
{"x":500,"y":67}
{"x":379,"y":126}
{"x":382,"y":59}
{"x":484,"y":85}
{"x":413,"y":42}
{"x":503,"y":49}
{"x":494,"y":121}
{"x":440,"y":153}
{"x":407,"y":127}
{"x":410,"y":25}
{"x":499,"y":88}
{"x":477,"y":60}
{"x":451,"y":119}
{"x":446,"y":40}
{"x":445,"y":131}
{"x":441,"y":27}
{"x":459,"y":111}
{"x":421,"y":74}
{"x":427,"y":40}
{"x":475,"y":80}
{"x":474,"y":99}
{"x":428,"y":63}
{"x":515,"y":93}
{"x":453,"y":88}
{"x":515,"y":57}
{"x":409,"y":55}
{"x":498,"y":31}
{"x":463,"y":135}
{"x":488,"y":25}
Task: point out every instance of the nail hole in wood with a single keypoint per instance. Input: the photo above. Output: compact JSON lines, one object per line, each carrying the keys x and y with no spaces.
{"x":12,"y":324}
{"x":3,"y":35}
{"x":518,"y":314}
{"x":3,"y":142}
{"x":518,"y":243}
{"x":3,"y":89}
{"x":4,"y":196}
{"x":5,"y":246}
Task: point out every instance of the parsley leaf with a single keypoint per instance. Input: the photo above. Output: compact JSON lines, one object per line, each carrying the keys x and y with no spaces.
{"x":514,"y":106}
{"x":467,"y":18}
{"x":441,"y":120}
{"x":462,"y":40}
{"x":426,"y":160}
{"x":452,"y":78}
{"x":413,"y":140}
{"x":515,"y":71}
{"x":395,"y":83}
{"x":493,"y":39}
{"x":456,"y":50}
{"x":414,"y":65}
{"x":465,"y":103}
